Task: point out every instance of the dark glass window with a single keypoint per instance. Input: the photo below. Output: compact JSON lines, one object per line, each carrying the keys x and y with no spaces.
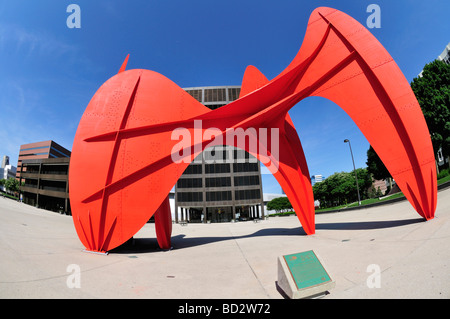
{"x":218,"y":196}
{"x":218,"y":182}
{"x":233,"y":93}
{"x":193,"y":169}
{"x":196,"y":94}
{"x":217,"y":168}
{"x":245,"y":167}
{"x":247,"y":194}
{"x":189,"y":197}
{"x":246,"y":180}
{"x":189,"y":182}
{"x":215,"y":95}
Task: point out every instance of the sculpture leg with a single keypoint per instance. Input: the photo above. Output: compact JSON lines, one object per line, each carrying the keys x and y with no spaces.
{"x":293,"y":176}
{"x":163,"y":224}
{"x":292,"y":170}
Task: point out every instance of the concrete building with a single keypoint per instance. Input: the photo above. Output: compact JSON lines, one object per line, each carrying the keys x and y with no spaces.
{"x":316,"y":179}
{"x":40,"y":150}
{"x":43,"y":168}
{"x":445,"y":55}
{"x":7,"y":171}
{"x":223,"y":183}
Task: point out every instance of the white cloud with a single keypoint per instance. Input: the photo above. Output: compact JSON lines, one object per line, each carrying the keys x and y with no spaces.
{"x":31,"y":42}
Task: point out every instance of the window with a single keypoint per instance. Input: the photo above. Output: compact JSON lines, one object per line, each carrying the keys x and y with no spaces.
{"x":217,"y":168}
{"x":189,"y":182}
{"x":193,"y":169}
{"x":246,"y":180}
{"x":247,"y":194}
{"x":218,"y":196}
{"x":218,"y":182}
{"x":215,"y":95}
{"x":196,"y":94}
{"x":245,"y":167}
{"x":189,"y":197}
{"x":233,"y":93}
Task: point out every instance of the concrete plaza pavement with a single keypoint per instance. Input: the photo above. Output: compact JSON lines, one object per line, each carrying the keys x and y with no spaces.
{"x":40,"y":254}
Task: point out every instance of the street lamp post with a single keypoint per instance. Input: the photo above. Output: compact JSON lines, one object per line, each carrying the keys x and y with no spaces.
{"x":354,"y":169}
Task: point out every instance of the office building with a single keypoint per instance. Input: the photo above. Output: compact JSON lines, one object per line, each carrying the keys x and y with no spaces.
{"x":316,"y":179}
{"x":445,"y":55}
{"x":7,"y":171}
{"x":43,"y":170}
{"x":221,"y":188}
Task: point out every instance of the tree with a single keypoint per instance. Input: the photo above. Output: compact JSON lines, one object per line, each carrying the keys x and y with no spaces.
{"x":278,"y":204}
{"x":375,"y":166}
{"x":432,"y":91}
{"x":340,"y":188}
{"x":12,"y":185}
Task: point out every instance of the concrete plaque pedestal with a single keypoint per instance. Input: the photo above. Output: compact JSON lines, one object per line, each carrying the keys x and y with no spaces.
{"x":302,"y":275}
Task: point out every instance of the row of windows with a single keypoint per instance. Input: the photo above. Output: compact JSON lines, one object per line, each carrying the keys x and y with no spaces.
{"x":219,"y":196}
{"x":33,"y":148}
{"x":193,"y":169}
{"x":46,"y":185}
{"x":215,"y":94}
{"x":246,"y":180}
{"x":218,"y":182}
{"x":217,"y":168}
{"x":32,"y":154}
{"x":190,"y":197}
{"x":196,"y":94}
{"x":245,"y":167}
{"x":233,"y":93}
{"x":247,"y":194}
{"x":221,"y":168}
{"x":189,"y":182}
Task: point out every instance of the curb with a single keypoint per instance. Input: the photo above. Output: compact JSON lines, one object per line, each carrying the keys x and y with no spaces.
{"x":386,"y":202}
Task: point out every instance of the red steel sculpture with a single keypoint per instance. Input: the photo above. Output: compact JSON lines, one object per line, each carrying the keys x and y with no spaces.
{"x":122,"y":166}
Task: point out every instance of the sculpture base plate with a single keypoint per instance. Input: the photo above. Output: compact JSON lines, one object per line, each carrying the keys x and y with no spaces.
{"x":95,"y":252}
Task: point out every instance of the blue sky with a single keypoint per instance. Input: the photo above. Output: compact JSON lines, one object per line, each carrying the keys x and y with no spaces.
{"x":49,"y":73}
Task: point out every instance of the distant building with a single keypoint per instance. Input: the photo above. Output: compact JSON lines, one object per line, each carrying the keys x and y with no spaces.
{"x":5,"y":161}
{"x":382,"y":185}
{"x":445,"y":55}
{"x":267,"y":198}
{"x":316,"y":179}
{"x":6,"y":171}
{"x":43,"y":168}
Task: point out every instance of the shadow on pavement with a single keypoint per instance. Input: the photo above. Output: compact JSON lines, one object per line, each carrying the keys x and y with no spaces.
{"x":147,"y":245}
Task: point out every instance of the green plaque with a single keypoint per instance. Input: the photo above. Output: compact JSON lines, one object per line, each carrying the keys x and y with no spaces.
{"x":306,"y":269}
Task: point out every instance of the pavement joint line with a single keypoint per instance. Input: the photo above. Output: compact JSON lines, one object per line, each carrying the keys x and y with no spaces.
{"x":246,"y":260}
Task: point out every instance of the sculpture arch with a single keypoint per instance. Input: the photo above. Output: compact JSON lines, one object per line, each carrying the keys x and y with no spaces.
{"x":121,"y":169}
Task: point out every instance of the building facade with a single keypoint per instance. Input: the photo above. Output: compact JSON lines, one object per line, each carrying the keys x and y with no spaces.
{"x":43,"y":170}
{"x":7,"y":171}
{"x":316,"y":179}
{"x":445,"y":55}
{"x":223,"y":183}
{"x":40,"y":150}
